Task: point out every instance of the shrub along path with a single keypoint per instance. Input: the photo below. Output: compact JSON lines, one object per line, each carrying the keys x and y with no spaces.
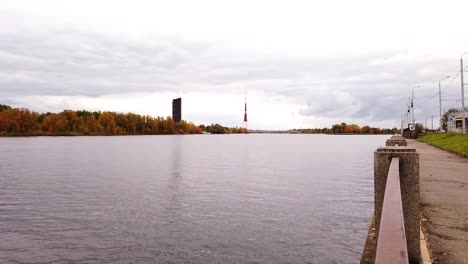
{"x":444,"y":200}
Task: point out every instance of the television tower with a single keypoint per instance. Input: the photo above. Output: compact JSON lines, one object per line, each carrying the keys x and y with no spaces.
{"x":245,"y":111}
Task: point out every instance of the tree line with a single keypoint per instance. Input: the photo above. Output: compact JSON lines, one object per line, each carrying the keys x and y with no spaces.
{"x":344,"y":128}
{"x":23,"y":122}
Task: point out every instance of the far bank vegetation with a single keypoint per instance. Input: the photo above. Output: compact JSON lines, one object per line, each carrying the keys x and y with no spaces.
{"x":23,"y":122}
{"x":344,"y":128}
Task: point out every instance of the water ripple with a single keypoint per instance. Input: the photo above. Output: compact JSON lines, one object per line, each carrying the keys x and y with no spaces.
{"x":186,"y":199}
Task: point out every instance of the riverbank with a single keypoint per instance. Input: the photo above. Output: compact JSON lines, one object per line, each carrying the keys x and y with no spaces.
{"x":454,"y":142}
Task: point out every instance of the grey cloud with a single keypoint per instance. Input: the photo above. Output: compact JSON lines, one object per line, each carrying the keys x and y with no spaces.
{"x":82,"y":64}
{"x":75,"y":63}
{"x":379,"y":91}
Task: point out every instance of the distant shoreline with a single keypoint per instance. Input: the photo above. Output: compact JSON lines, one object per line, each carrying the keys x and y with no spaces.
{"x":21,"y":122}
{"x":253,"y":133}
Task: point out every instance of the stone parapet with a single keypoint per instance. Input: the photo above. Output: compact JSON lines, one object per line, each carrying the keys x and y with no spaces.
{"x":409,"y":181}
{"x":396,"y":140}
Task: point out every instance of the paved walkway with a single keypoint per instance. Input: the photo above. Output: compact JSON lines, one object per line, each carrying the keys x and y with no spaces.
{"x":444,"y":200}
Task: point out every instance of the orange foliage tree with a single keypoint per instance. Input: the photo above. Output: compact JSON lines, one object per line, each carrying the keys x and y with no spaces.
{"x":23,"y":122}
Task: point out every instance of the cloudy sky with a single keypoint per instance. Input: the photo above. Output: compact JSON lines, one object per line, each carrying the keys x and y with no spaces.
{"x":303,"y":63}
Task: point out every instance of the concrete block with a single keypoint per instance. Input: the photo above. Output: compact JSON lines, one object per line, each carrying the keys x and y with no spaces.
{"x":396,"y":140}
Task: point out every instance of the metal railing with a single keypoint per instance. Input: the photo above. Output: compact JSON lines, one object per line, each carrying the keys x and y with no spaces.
{"x":391,"y":244}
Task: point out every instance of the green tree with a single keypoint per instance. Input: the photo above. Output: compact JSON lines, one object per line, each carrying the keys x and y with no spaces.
{"x":4,"y":107}
{"x":445,"y":117}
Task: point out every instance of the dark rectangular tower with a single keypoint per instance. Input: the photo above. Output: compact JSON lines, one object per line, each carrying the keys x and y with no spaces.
{"x":177,"y":109}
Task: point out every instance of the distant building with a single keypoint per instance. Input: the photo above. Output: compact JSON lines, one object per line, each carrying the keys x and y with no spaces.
{"x":177,"y":109}
{"x":454,"y":121}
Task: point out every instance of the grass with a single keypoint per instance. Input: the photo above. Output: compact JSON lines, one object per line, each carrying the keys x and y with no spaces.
{"x":454,"y":142}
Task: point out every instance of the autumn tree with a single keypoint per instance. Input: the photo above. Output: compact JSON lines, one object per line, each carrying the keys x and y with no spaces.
{"x":11,"y":119}
{"x":365,"y":130}
{"x":92,"y":126}
{"x":28,"y":122}
{"x":168,"y":126}
{"x":23,"y":122}
{"x":348,"y":129}
{"x":75,"y":123}
{"x":107,"y":122}
{"x":55,"y":124}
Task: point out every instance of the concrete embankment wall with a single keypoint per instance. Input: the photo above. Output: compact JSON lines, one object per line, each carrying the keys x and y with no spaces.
{"x":409,"y":182}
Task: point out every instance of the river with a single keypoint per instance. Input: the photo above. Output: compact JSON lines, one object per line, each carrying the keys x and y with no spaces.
{"x":186,"y":199}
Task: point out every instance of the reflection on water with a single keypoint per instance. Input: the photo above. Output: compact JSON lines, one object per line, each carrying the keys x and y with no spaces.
{"x":186,"y":199}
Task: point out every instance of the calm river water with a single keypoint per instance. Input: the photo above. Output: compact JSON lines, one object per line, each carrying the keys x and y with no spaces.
{"x":186,"y":199}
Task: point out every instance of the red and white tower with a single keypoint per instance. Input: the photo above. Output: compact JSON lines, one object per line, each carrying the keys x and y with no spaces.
{"x":245,"y":111}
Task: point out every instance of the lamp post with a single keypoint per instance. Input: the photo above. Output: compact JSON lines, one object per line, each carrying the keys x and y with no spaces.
{"x":412,"y":99}
{"x":462,"y":93}
{"x":408,"y":113}
{"x":440,"y":102}
{"x":402,"y":121}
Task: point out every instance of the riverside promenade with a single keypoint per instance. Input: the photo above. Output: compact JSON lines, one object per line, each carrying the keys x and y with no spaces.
{"x":444,"y":202}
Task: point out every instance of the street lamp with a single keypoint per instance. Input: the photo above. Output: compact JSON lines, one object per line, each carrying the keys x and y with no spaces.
{"x":412,"y":99}
{"x":408,"y":113}
{"x":440,"y":102}
{"x":462,"y":93}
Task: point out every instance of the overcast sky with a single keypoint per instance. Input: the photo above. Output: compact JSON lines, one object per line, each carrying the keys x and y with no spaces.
{"x":303,"y":63}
